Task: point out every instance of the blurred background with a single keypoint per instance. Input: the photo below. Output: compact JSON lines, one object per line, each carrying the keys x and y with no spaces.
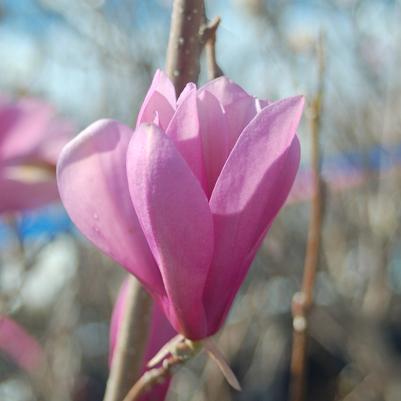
{"x":95,"y":58}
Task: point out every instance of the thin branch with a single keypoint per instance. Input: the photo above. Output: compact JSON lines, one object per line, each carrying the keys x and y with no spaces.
{"x":314,"y":233}
{"x":184,"y":45}
{"x":303,"y":300}
{"x":208,"y":38}
{"x":181,"y":350}
{"x":131,"y":342}
{"x":152,"y":377}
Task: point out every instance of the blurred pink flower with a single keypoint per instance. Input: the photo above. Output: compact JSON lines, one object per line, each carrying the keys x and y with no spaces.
{"x":19,"y":346}
{"x":184,"y":201}
{"x":31,"y":138}
{"x":160,"y":333}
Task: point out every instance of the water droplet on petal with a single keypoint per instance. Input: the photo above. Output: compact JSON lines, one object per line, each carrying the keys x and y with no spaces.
{"x":95,"y":216}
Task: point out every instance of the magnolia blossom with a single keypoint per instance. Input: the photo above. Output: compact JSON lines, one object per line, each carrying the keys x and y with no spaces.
{"x":31,"y":138}
{"x":160,"y":332}
{"x":184,"y":200}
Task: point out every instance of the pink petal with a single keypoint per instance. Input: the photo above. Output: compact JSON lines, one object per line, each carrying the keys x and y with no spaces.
{"x":183,"y":95}
{"x":184,"y":130}
{"x":93,"y":186}
{"x":160,"y":332}
{"x":23,"y":127}
{"x":239,"y":107}
{"x":215,"y":137}
{"x":225,"y":90}
{"x":160,"y":99}
{"x":176,"y":219}
{"x":250,"y":191}
{"x":18,"y":195}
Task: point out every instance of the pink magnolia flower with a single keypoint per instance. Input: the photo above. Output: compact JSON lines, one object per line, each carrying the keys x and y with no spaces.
{"x":31,"y":138}
{"x":184,"y":201}
{"x":160,"y":333}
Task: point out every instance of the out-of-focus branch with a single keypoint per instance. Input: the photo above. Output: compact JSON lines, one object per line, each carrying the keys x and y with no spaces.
{"x":184,"y":45}
{"x":131,"y":342}
{"x":315,"y":224}
{"x":303,"y":300}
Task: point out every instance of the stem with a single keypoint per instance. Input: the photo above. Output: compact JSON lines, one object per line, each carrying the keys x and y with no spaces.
{"x":152,"y":377}
{"x":180,"y":350}
{"x":131,"y":342}
{"x":184,"y":45}
{"x":303,"y":300}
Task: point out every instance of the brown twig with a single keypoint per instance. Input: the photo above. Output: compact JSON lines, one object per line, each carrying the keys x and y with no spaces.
{"x":184,"y":45}
{"x":208,"y":39}
{"x":176,"y":352}
{"x":131,"y":342}
{"x":180,"y":352}
{"x":152,"y":377}
{"x":302,"y":301}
